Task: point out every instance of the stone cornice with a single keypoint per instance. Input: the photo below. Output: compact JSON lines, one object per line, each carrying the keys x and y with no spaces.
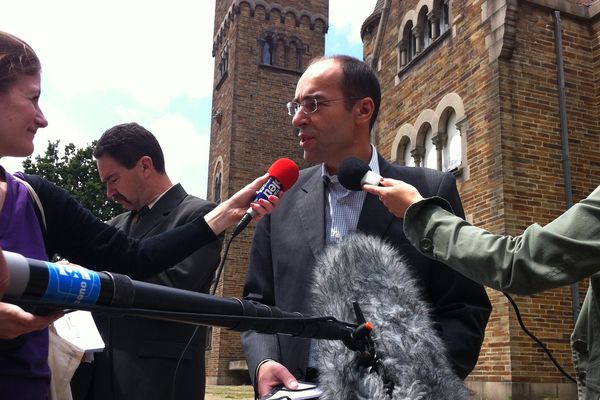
{"x":502,"y":15}
{"x":269,"y":8}
{"x":589,"y":11}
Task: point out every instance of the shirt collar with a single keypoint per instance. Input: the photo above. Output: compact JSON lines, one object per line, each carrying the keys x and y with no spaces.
{"x":153,"y":202}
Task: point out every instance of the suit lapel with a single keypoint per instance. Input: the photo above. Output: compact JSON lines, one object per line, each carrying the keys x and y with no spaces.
{"x":375,"y":218}
{"x":159,"y":211}
{"x":311,"y":210}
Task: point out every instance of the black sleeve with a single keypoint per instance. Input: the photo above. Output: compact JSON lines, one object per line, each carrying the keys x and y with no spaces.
{"x":461,"y":307}
{"x":75,"y":233}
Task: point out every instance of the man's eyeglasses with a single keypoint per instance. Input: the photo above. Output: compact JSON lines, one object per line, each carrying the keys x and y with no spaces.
{"x":310,"y":105}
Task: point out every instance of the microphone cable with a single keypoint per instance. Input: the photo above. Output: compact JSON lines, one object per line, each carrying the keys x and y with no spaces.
{"x":538,"y":341}
{"x":212,"y":291}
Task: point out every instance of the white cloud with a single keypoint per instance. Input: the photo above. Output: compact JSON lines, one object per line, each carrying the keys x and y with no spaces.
{"x":185,"y":149}
{"x":151,"y":50}
{"x":348,"y":17}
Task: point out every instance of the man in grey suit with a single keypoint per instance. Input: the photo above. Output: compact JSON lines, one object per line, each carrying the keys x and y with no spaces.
{"x":335,"y":106}
{"x":144,"y":358}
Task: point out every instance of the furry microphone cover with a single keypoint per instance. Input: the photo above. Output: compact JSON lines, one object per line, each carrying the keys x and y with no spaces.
{"x":367,"y":270}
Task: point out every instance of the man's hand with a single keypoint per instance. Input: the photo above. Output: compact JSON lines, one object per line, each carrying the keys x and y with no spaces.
{"x":396,"y":195}
{"x":271,"y":374}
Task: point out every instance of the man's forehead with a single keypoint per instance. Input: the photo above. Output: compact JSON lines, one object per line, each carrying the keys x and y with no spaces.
{"x":318,"y":78}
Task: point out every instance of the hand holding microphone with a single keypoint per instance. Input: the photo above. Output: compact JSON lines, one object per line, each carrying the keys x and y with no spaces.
{"x":281,"y":176}
{"x":270,"y":374}
{"x":397,"y":196}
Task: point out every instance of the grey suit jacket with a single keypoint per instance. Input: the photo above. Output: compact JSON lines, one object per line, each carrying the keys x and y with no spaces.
{"x":285,"y":246}
{"x":141,"y":355}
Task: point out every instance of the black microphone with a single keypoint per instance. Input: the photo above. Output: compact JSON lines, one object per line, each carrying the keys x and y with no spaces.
{"x":406,"y":357}
{"x":353,"y":173}
{"x":283,"y":173}
{"x":66,"y":286}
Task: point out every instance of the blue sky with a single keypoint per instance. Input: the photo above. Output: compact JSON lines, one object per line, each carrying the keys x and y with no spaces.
{"x":146,"y":61}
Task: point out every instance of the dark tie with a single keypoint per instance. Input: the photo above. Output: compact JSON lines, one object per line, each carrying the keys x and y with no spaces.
{"x":138,"y":215}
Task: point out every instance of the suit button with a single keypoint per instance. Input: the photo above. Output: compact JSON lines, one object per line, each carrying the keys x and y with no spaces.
{"x":426,"y":245}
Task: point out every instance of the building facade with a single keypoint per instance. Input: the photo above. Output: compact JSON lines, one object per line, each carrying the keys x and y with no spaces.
{"x":260,"y":48}
{"x":472,"y":87}
{"x":505,"y":94}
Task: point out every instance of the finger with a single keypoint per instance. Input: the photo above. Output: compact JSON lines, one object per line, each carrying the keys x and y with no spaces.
{"x":387,"y":182}
{"x":274,"y":200}
{"x":374,"y":190}
{"x":287,"y":378}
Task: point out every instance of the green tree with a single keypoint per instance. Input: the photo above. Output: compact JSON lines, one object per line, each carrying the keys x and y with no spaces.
{"x":75,"y":171}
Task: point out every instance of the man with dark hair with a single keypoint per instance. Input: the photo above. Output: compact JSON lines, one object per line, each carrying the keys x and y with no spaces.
{"x":144,"y":358}
{"x":335,"y":106}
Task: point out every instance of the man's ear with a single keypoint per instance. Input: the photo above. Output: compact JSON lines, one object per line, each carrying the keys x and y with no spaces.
{"x":363,"y":110}
{"x":146,"y":164}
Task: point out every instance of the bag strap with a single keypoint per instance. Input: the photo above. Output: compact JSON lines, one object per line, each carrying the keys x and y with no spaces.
{"x":35,"y":199}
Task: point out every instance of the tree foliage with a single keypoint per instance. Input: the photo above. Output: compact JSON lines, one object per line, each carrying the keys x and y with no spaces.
{"x":75,"y":171}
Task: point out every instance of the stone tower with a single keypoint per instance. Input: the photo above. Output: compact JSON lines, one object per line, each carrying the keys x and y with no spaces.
{"x":260,"y":48}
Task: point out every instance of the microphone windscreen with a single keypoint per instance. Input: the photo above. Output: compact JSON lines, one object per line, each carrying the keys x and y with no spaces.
{"x":351,"y":172}
{"x":370,"y":271}
{"x":285,"y":171}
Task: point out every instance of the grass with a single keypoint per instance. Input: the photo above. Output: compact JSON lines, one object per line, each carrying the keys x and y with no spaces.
{"x":229,"y":392}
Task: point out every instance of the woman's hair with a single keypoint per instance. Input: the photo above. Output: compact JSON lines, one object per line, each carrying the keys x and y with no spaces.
{"x":17,"y":58}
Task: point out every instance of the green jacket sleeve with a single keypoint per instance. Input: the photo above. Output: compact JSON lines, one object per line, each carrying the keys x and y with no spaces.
{"x":543,"y":257}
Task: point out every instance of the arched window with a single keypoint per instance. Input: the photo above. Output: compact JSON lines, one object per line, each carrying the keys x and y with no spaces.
{"x":409,"y":161}
{"x":411,"y":42}
{"x":444,"y":13}
{"x":224,"y":60}
{"x":299,"y":59}
{"x":217,"y":188}
{"x":425,"y":30}
{"x":267,"y":52}
{"x":430,"y":157}
{"x":452,"y":153}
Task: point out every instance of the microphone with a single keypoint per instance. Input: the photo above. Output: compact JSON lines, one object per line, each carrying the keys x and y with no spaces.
{"x":354,"y":172}
{"x":283,"y":173}
{"x":406,"y":352}
{"x":60,"y":286}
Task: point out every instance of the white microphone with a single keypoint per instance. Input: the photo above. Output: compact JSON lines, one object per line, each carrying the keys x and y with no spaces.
{"x":354,"y":173}
{"x":412,"y":360}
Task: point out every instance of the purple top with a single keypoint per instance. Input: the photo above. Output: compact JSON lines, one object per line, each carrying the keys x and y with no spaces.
{"x":24,"y":371}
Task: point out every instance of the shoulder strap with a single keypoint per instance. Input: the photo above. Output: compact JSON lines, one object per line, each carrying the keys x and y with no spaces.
{"x":36,"y":200}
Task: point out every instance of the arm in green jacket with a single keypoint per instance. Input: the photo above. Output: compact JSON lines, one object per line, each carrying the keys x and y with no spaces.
{"x":543,"y":257}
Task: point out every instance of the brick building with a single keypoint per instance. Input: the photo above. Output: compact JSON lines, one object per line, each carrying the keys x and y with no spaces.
{"x":469,"y":86}
{"x":472,"y":87}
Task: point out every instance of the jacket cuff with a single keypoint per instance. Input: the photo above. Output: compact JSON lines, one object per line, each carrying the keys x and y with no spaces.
{"x":255,"y":380}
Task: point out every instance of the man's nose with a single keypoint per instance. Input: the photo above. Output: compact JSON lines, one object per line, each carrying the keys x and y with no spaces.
{"x":300,"y":119}
{"x":110,"y":191}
